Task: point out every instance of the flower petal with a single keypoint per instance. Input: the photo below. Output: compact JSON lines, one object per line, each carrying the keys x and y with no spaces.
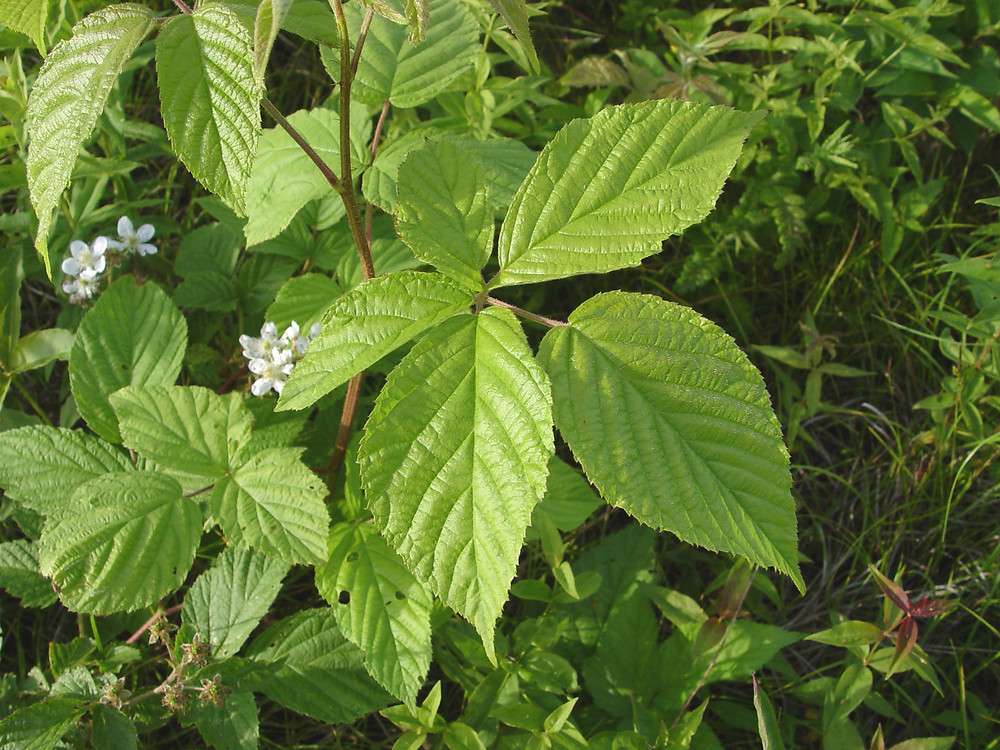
{"x":145,"y":233}
{"x":125,"y":228}
{"x":260,"y":387}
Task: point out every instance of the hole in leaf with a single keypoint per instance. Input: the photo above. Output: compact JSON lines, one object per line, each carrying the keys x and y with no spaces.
{"x":352,"y":556}
{"x":345,"y":597}
{"x":400,"y":596}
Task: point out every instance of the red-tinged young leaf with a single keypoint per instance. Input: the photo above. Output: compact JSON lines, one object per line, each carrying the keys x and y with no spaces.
{"x":906,"y":637}
{"x":892,"y":591}
{"x":927,"y":607}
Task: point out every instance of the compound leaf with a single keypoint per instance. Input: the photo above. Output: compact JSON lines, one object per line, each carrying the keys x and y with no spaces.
{"x":455,"y":457}
{"x":190,"y":432}
{"x":409,"y":75}
{"x":127,"y":540}
{"x":41,"y":466}
{"x":444,"y":213}
{"x":133,"y":336}
{"x":367,"y":323}
{"x":68,"y":97}
{"x":210,"y":98}
{"x":606,"y":191}
{"x":274,"y":503}
{"x":380,"y":606}
{"x":228,"y":601}
{"x":672,"y":423}
{"x":321,"y":673}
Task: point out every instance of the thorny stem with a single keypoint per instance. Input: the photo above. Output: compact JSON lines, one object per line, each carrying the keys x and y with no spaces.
{"x":718,"y":650}
{"x":149,"y":623}
{"x":316,"y":159}
{"x":344,"y":431}
{"x":346,"y":179}
{"x":550,"y":322}
{"x":183,"y":6}
{"x":358,"y":230}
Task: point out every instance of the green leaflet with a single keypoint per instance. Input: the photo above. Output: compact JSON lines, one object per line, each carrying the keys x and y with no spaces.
{"x":624,"y":562}
{"x":516,"y":17}
{"x":227,"y":601}
{"x":68,"y":97}
{"x":309,"y":19}
{"x":392,"y":68}
{"x":270,"y":16}
{"x":28,"y":17}
{"x":112,"y":730}
{"x":37,"y":349}
{"x":642,"y":382}
{"x":380,"y":606}
{"x":454,"y":459}
{"x":417,"y":12}
{"x":126,"y":541}
{"x":284,"y":178}
{"x":41,"y":466}
{"x":190,"y":432}
{"x":321,"y":673}
{"x":210,"y":98}
{"x":234,"y":725}
{"x":20,"y":576}
{"x":274,"y":503}
{"x":505,"y":163}
{"x":303,"y":299}
{"x":607,"y":190}
{"x":40,"y":725}
{"x":367,"y":323}
{"x":747,"y":648}
{"x":569,"y":499}
{"x":133,"y":336}
{"x":444,"y":213}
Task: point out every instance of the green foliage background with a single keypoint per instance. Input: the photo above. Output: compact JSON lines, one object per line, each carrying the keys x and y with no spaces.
{"x":851,"y":253}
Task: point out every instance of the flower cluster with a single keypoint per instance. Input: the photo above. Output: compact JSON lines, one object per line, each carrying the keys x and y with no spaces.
{"x":272,"y":359}
{"x":86,"y":263}
{"x":82,"y":268}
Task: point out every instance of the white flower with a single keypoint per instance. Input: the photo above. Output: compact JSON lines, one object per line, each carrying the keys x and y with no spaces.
{"x":273,"y":371}
{"x":293,"y":339}
{"x":133,"y":240}
{"x":80,"y":289}
{"x":86,"y":261}
{"x":254,"y":348}
{"x":314,"y":331}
